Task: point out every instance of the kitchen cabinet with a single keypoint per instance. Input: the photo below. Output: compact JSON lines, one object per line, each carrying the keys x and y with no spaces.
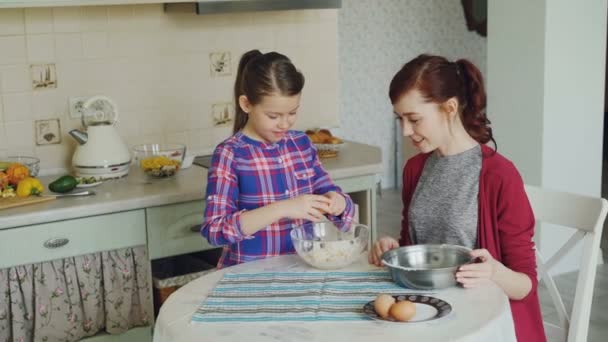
{"x":63,"y":239}
{"x":175,"y":229}
{"x":59,"y":3}
{"x":56,"y":240}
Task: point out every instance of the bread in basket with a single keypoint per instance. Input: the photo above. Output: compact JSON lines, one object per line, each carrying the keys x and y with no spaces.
{"x":327,"y":145}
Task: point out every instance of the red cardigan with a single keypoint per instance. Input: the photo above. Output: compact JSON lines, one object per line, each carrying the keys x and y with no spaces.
{"x":505,"y":229}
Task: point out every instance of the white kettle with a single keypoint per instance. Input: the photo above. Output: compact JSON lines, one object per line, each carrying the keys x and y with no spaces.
{"x":101,"y":152}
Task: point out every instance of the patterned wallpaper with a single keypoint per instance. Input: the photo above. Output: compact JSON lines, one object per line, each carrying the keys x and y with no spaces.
{"x":375,"y":38}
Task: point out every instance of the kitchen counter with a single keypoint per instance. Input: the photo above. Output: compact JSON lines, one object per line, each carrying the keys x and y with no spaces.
{"x":134,"y":192}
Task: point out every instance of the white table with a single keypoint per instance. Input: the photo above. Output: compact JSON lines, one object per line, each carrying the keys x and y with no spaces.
{"x":481,"y":314}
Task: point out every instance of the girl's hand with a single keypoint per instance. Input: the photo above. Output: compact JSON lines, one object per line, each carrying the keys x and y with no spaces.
{"x":474,"y":275}
{"x":384,"y":244}
{"x":338,"y":203}
{"x":308,"y":207}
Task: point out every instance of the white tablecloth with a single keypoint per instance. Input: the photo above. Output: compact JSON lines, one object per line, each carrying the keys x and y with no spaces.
{"x":481,"y":314}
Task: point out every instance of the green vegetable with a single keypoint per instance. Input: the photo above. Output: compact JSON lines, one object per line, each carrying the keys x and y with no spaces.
{"x":63,"y":184}
{"x":4,"y":165}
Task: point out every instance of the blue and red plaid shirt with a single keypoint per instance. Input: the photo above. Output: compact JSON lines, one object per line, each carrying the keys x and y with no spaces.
{"x":246,"y":174}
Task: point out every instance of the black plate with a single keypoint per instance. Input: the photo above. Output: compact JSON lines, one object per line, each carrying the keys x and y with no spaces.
{"x":423,"y":313}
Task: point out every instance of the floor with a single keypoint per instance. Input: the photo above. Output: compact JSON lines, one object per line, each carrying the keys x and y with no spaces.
{"x":389,"y":223}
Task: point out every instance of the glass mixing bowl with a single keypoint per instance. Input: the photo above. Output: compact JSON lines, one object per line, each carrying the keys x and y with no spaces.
{"x":330,"y":245}
{"x":159,"y":160}
{"x":32,"y":163}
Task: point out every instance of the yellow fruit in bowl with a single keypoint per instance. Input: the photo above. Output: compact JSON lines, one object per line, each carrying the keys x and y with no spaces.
{"x":159,"y":166}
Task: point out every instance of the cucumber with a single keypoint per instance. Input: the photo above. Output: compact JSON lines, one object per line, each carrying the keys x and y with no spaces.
{"x":63,"y":184}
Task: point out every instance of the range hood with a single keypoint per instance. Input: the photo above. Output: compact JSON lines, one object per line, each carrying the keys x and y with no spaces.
{"x":232,"y":6}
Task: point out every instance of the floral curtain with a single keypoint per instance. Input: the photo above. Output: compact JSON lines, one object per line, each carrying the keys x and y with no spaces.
{"x":71,"y":298}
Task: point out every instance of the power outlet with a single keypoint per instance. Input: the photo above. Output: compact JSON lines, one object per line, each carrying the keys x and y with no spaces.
{"x":75,"y":105}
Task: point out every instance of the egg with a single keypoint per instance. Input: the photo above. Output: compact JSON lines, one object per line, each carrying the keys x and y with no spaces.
{"x":383,"y":304}
{"x":403,"y":310}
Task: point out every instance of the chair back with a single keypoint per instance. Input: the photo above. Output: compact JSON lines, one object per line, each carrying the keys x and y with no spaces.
{"x":586,"y":215}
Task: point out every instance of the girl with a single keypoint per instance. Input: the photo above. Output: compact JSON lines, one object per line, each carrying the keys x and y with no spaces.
{"x":460,"y":191}
{"x":265,"y":179}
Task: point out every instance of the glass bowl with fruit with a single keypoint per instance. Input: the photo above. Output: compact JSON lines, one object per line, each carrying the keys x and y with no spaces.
{"x":32,"y":163}
{"x":159,"y":160}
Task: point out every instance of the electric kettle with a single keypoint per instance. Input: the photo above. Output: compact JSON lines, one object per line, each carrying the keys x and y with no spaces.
{"x":100,"y":152}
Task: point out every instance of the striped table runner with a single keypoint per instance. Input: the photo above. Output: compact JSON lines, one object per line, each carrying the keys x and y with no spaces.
{"x":286,"y":296}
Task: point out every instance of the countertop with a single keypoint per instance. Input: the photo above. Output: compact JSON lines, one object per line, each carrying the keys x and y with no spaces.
{"x":135,"y":192}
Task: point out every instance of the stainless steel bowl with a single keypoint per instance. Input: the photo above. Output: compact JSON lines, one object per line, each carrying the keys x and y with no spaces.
{"x":426,"y":267}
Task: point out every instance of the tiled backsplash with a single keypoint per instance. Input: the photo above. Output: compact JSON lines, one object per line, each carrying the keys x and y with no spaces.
{"x":171,"y":75}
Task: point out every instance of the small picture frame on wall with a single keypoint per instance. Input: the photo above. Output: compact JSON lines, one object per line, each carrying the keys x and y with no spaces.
{"x":220,"y":63}
{"x":222,"y":113}
{"x":48,"y":132}
{"x":44,"y":76}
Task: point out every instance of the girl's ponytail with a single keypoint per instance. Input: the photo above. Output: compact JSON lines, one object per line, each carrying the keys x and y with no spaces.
{"x":240,"y":117}
{"x":474,"y":117}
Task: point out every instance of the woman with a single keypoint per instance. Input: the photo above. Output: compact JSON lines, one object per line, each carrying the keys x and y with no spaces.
{"x":460,"y":191}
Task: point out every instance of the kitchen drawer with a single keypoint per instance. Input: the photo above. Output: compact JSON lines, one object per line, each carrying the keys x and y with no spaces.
{"x":175,"y":229}
{"x":56,"y":240}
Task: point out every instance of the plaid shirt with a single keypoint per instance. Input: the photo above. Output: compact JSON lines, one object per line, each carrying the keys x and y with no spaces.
{"x":246,"y":174}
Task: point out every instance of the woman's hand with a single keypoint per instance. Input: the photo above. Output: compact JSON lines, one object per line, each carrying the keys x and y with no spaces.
{"x":384,"y":244}
{"x":476,"y":274}
{"x":308,"y":207}
{"x":338,"y":203}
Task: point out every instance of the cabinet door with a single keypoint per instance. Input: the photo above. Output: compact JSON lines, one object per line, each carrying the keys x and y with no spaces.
{"x":56,"y":240}
{"x":175,"y":229}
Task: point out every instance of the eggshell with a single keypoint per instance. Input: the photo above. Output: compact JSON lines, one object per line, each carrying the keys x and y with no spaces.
{"x":383,"y":304}
{"x":403,"y":311}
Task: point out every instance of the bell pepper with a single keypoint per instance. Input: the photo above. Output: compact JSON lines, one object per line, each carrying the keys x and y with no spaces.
{"x":29,"y":186}
{"x":16,"y":172}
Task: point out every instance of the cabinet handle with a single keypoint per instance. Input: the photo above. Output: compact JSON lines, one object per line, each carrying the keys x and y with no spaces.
{"x":196,"y":228}
{"x":56,"y":242}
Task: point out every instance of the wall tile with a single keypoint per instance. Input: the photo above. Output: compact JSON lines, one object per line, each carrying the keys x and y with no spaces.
{"x":95,"y":44}
{"x":66,"y":19}
{"x":68,"y":46}
{"x":1,"y":110}
{"x":38,"y":20}
{"x":57,"y":156}
{"x":48,"y":105}
{"x":12,"y":22}
{"x":120,"y":18}
{"x":178,"y":138}
{"x":17,"y":106}
{"x":41,"y":48}
{"x":19,"y":134}
{"x":149,"y":16}
{"x":13,"y":49}
{"x":15,"y":78}
{"x":3,"y":144}
{"x":94,"y":18}
{"x":200,"y":139}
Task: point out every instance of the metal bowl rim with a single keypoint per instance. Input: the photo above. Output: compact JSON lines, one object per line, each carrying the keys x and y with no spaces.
{"x":413,"y":247}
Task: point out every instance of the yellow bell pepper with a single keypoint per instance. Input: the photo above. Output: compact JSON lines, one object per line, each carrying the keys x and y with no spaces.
{"x":29,"y":186}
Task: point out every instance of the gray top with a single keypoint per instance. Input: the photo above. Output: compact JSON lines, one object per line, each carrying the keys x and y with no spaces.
{"x":444,"y":205}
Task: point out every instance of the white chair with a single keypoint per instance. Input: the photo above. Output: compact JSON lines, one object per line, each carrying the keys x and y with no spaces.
{"x":586,"y":214}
